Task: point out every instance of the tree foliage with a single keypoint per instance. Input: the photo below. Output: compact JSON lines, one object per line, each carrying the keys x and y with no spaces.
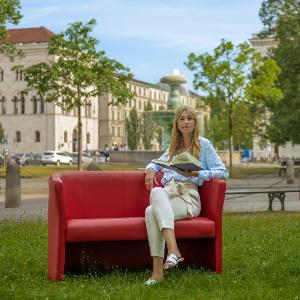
{"x":133,"y":129}
{"x":284,"y":16}
{"x":148,"y":127}
{"x":231,"y":79}
{"x":78,"y":72}
{"x":9,"y":13}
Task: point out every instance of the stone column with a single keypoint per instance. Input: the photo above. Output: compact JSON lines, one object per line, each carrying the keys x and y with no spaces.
{"x":290,"y":171}
{"x":13,"y":185}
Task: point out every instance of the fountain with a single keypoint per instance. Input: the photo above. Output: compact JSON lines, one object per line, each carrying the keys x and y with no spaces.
{"x":164,"y":118}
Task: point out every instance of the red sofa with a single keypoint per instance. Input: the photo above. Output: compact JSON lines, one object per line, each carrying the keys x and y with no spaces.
{"x":97,"y":218}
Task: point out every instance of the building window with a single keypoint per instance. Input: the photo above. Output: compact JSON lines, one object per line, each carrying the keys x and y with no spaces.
{"x":15,"y":101}
{"x":113,"y":131}
{"x":65,"y":137}
{"x":42,"y":105}
{"x":34,"y":102}
{"x":19,"y":75}
{"x":23,"y":105}
{"x":37,"y":136}
{"x":3,"y":105}
{"x":18,"y":136}
{"x":88,"y":138}
{"x":119,"y":131}
{"x":1,"y":75}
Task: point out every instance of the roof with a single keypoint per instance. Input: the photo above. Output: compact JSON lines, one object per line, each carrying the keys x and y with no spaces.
{"x":29,"y":35}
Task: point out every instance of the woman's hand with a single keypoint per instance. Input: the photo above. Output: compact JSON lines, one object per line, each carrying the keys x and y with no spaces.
{"x":188,"y":174}
{"x":149,"y":179}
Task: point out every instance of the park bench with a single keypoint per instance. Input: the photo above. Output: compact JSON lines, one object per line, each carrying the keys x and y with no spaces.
{"x":283,"y":166}
{"x":273,"y":193}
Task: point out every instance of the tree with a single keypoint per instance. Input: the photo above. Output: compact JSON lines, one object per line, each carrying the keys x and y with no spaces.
{"x":284,"y":17}
{"x":78,"y":73}
{"x":9,"y":13}
{"x":226,"y":77}
{"x":147,"y":127}
{"x":133,"y":129}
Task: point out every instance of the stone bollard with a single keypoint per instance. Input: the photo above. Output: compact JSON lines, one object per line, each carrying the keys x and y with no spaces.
{"x":13,"y":185}
{"x":92,"y":166}
{"x":290,"y":171}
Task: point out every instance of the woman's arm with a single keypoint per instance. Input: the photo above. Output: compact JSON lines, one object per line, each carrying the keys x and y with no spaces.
{"x":215,"y":167}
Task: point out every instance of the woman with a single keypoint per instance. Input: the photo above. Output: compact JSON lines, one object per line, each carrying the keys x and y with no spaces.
{"x":179,"y":198}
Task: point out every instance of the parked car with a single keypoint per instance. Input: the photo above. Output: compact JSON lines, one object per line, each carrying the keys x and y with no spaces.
{"x":56,"y":158}
{"x":25,"y":159}
{"x":86,"y":158}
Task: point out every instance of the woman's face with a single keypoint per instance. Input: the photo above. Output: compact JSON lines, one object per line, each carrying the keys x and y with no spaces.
{"x":186,"y":123}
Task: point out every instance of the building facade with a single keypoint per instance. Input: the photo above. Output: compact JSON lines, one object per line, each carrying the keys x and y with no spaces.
{"x":33,"y":125}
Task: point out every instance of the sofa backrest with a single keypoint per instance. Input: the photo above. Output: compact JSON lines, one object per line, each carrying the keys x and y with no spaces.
{"x":104,"y":194}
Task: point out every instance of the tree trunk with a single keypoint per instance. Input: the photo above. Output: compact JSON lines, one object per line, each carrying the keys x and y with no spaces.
{"x":230,"y":139}
{"x":79,"y":139}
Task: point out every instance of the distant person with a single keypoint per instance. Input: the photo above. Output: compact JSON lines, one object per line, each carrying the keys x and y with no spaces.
{"x":106,"y":153}
{"x":179,"y":198}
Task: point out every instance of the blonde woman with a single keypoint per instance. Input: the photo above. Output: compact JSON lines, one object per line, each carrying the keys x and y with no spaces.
{"x":179,"y":198}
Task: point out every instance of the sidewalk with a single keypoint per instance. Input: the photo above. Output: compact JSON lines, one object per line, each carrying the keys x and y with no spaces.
{"x":34,"y":196}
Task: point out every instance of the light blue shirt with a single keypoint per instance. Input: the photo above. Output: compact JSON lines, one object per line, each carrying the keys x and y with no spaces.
{"x":211,"y":164}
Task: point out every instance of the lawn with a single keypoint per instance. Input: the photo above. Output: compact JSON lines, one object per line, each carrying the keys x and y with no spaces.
{"x":261,"y":261}
{"x":46,"y":171}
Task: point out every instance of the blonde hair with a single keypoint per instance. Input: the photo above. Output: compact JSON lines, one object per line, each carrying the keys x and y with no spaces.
{"x":176,"y":136}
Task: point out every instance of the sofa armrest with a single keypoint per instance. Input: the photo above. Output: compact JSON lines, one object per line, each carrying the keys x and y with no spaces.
{"x":212,"y":194}
{"x":56,"y":229}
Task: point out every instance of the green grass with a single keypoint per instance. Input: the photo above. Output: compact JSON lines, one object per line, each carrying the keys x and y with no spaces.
{"x":261,"y":253}
{"x":46,"y":171}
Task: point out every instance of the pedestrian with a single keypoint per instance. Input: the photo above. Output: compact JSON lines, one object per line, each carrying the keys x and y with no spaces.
{"x":106,"y":153}
{"x":179,"y":197}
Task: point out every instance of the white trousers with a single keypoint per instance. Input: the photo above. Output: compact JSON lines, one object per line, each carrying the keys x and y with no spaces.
{"x":162,"y":213}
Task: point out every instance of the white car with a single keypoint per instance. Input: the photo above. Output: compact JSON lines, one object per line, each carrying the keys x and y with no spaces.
{"x":56,"y":158}
{"x":86,"y":158}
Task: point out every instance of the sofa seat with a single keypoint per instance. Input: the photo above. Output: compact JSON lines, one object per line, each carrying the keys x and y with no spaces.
{"x":131,"y":228}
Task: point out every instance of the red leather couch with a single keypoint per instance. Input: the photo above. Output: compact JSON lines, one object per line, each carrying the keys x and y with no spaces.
{"x":97,"y":218}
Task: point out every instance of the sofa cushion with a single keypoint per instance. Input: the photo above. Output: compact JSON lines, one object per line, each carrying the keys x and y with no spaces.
{"x":132,"y":228}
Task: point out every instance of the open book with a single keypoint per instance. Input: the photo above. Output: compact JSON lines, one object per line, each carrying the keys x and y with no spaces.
{"x":183,"y":162}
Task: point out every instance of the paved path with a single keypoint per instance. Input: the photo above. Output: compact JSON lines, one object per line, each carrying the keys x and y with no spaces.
{"x":34,"y":199}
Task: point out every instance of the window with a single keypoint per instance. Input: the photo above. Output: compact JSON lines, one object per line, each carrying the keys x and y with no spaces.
{"x":19,"y":75}
{"x":34,"y":101}
{"x":3,"y":105}
{"x":18,"y":136}
{"x":113,"y":131}
{"x":65,"y":137}
{"x":88,"y":138}
{"x":113,"y":115}
{"x":89,"y":111}
{"x":1,"y":75}
{"x":37,"y":136}
{"x":119,"y":131}
{"x":15,"y":101}
{"x":42,"y":107}
{"x":23,"y":105}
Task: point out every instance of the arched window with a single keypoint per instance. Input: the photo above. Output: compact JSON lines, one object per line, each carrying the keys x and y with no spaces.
{"x":3,"y":105}
{"x":42,"y":107}
{"x":15,"y":101}
{"x":37,"y":136}
{"x":1,"y":75}
{"x":34,"y":101}
{"x":22,"y":105}
{"x":65,"y":137}
{"x":18,"y":136}
{"x":88,"y":138}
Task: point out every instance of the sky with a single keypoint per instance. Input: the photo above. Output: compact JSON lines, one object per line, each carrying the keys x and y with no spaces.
{"x":151,"y":37}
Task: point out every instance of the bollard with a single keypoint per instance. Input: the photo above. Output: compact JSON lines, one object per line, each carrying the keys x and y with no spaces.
{"x":13,"y":185}
{"x":290,"y":171}
{"x":92,"y":166}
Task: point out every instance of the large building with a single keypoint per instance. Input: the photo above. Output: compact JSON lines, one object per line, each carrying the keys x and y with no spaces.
{"x":33,"y":125}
